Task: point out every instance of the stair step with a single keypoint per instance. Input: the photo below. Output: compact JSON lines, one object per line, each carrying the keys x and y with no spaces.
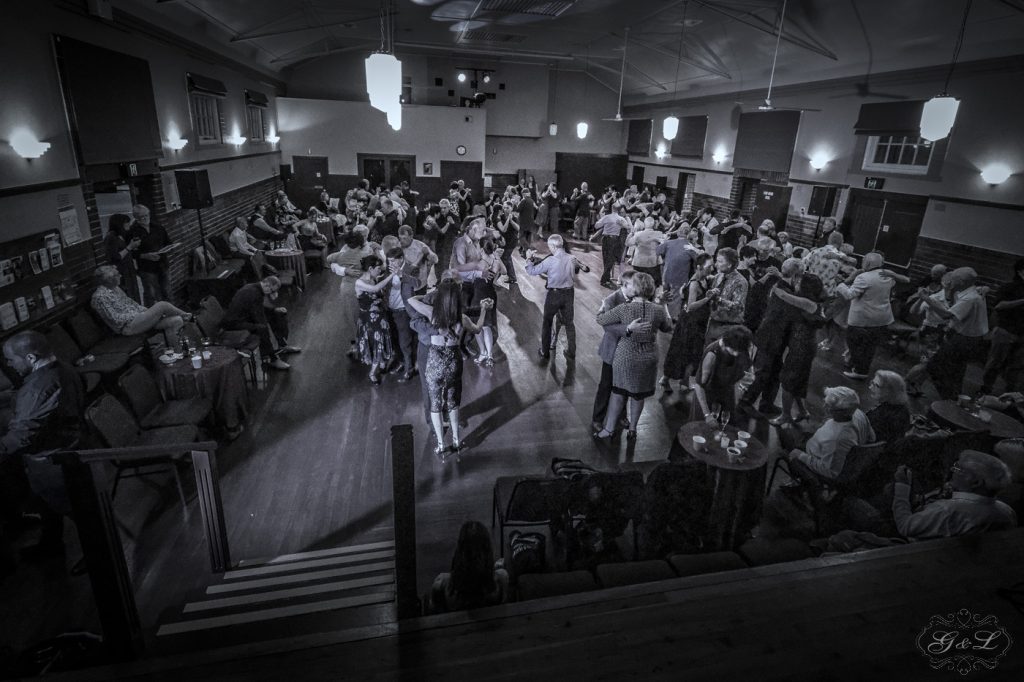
{"x":260,"y":615}
{"x":315,"y":554}
{"x":291,"y":579}
{"x":290,"y":593}
{"x":238,"y":574}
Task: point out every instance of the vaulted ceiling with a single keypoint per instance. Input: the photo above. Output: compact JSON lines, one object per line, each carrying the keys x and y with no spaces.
{"x":693,"y":47}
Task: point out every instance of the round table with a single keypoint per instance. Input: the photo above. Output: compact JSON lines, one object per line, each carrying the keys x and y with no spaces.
{"x":288,"y":259}
{"x":737,"y":486}
{"x":998,"y":425}
{"x":221,"y":379}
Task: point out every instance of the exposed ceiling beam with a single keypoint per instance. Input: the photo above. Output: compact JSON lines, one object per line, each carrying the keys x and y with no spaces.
{"x":460,"y":49}
{"x":649,"y":78}
{"x":609,"y":70}
{"x":584,"y":71}
{"x":718,"y":71}
{"x":285,"y":31}
{"x":754,"y":21}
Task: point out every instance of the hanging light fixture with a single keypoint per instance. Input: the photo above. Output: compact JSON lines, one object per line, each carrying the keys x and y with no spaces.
{"x":670,"y":126}
{"x":581,"y":129}
{"x":384,"y":72}
{"x":553,"y":129}
{"x":939,"y":113}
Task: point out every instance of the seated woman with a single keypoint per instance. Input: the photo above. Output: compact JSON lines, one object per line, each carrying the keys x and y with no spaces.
{"x":128,"y":317}
{"x":890,"y":418}
{"x":476,"y":579}
{"x":825,"y":452}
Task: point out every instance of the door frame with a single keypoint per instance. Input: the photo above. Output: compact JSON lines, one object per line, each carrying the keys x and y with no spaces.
{"x":886,"y":197}
{"x":360,"y":157}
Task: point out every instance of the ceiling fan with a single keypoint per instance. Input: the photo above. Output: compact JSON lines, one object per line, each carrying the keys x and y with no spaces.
{"x":618,"y":118}
{"x":766,"y":103}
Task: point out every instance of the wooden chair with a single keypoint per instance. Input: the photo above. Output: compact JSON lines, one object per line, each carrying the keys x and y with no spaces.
{"x":209,"y":318}
{"x":117,"y":428}
{"x":152,"y":410}
{"x":526,"y":501}
{"x":94,"y":340}
{"x":262,"y":269}
{"x":621,"y":501}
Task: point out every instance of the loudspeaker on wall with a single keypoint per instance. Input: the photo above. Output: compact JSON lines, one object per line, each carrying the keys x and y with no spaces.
{"x":286,"y":172}
{"x":194,"y":188}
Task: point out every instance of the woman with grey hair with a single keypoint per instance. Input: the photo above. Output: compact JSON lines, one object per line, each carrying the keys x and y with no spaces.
{"x":128,"y":317}
{"x":890,"y":417}
{"x":825,"y":452}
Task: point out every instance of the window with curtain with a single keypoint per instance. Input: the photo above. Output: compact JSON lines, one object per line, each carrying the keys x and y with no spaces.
{"x":205,"y":118}
{"x":639,"y":140}
{"x":765,"y":140}
{"x":898,"y":154}
{"x":689,"y":141}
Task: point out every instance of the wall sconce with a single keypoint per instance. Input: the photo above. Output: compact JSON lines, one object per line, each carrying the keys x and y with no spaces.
{"x":273,"y":139}
{"x":27,"y":146}
{"x":176,"y":143}
{"x":819,"y":160}
{"x":996,"y":174}
{"x":719,"y":156}
{"x":660,"y":151}
{"x":236,"y":140}
{"x":581,"y":129}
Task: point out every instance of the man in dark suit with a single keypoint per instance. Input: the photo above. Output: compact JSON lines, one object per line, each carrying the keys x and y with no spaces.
{"x":404,"y":284}
{"x":46,"y":418}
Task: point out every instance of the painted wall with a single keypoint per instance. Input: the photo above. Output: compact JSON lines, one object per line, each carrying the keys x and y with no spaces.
{"x":341,"y":130}
{"x":32,"y":96}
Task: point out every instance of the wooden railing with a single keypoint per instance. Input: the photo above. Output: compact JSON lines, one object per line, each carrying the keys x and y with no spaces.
{"x":87,"y":480}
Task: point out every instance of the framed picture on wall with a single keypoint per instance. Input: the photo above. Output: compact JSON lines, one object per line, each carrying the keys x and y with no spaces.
{"x":428,"y":168}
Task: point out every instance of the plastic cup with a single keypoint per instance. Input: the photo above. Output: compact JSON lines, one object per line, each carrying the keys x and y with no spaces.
{"x":963,"y":400}
{"x":699,"y":443}
{"x":742,"y":435}
{"x":207,"y":355}
{"x":741,"y":444}
{"x":734,"y":454}
{"x":725,"y":441}
{"x":197,"y":361}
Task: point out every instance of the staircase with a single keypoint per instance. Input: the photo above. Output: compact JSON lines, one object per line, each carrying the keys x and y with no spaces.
{"x":292,"y":594}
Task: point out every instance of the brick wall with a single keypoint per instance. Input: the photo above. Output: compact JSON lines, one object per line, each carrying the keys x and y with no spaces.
{"x":182,"y":226}
{"x":721,"y":205}
{"x":801,"y":228}
{"x":993,"y":267}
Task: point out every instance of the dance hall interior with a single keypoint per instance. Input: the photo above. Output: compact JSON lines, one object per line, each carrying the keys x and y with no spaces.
{"x":511,"y":339}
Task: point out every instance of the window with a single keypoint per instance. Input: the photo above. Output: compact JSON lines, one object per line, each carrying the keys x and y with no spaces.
{"x":254,"y":115}
{"x":898,"y":154}
{"x":206,"y":118}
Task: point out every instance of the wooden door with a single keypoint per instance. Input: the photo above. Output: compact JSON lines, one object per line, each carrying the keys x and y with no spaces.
{"x":771,"y":202}
{"x":897,"y":235}
{"x":638,"y":177}
{"x":682,"y":181}
{"x":863,"y":218}
{"x":309,"y":178}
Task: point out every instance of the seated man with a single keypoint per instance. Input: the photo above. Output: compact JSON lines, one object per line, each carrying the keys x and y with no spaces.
{"x":46,"y":417}
{"x":260,"y":228}
{"x":977,"y":478}
{"x":252,"y":309}
{"x":240,"y":242}
{"x":825,"y":452}
{"x":126,"y":316}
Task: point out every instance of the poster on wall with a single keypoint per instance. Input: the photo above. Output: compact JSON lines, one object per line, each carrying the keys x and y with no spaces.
{"x":6,"y":272}
{"x":7,"y":316}
{"x":69,"y":227}
{"x":52,"y":242}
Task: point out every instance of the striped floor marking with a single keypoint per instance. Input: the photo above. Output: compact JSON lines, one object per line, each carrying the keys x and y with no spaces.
{"x":309,"y":590}
{"x":333,"y":551}
{"x":302,"y":565}
{"x":272,"y":614}
{"x":299,"y":578}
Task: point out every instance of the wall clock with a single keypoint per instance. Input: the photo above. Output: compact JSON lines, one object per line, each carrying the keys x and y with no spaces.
{"x":461,"y":150}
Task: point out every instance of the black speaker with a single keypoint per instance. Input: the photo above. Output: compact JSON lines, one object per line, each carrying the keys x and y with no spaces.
{"x":823,"y":201}
{"x":194,"y":188}
{"x":286,"y":172}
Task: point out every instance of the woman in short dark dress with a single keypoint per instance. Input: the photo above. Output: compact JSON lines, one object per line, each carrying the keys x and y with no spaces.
{"x":724,"y":364}
{"x":444,"y":363}
{"x":802,"y":346}
{"x":687,"y":345}
{"x":635,"y":366}
{"x":374,"y":335}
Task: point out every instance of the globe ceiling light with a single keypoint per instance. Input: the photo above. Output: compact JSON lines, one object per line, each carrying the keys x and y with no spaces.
{"x":581,"y":129}
{"x":938,"y":116}
{"x":461,"y":77}
{"x":670,"y":127}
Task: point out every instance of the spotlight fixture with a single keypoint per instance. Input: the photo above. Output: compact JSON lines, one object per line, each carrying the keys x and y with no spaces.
{"x":996,"y":174}
{"x":462,"y":77}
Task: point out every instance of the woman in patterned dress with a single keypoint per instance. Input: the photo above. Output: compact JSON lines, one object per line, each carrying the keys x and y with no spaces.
{"x":635,"y":366}
{"x":374,"y":336}
{"x":444,"y":363}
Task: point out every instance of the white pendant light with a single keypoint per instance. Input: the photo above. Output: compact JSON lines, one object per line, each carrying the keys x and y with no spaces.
{"x":395,"y":116}
{"x":669,"y":128}
{"x":939,"y":113}
{"x":938,"y":116}
{"x":383,"y":79}
{"x":581,"y":129}
{"x":553,"y":129}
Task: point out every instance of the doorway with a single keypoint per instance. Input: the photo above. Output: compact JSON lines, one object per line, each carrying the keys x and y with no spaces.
{"x":886,"y":222}
{"x":771,"y":202}
{"x":684,"y":192}
{"x":386,"y":169}
{"x":308,"y":180}
{"x":638,"y":177}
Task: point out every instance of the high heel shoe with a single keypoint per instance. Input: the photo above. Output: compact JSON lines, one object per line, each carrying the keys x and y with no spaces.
{"x":781,"y":420}
{"x":440,"y":450}
{"x":630,"y":434}
{"x":596,"y":435}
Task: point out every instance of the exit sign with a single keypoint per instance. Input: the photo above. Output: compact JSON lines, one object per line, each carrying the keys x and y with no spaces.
{"x":874,"y":183}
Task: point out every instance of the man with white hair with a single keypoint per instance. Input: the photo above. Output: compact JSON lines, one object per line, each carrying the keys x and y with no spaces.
{"x":977,"y":478}
{"x":825,"y":452}
{"x":560,"y":269}
{"x":611,"y":228}
{"x":870,"y":312}
{"x":965,"y":336}
{"x":152,"y":267}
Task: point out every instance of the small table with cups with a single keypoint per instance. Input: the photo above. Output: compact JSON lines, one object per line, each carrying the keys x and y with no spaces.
{"x":289,"y":259}
{"x":965,"y":414}
{"x":215,"y":372}
{"x":736,"y":474}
